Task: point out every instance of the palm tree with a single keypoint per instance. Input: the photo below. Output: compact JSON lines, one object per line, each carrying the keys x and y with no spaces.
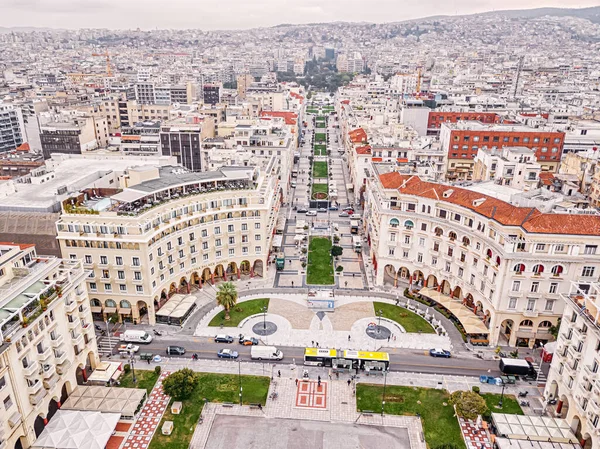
{"x":227,"y":297}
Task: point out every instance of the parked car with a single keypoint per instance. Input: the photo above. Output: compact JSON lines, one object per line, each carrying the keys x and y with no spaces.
{"x":130,"y":348}
{"x":175,"y":350}
{"x":311,"y":213}
{"x":344,"y":214}
{"x":302,"y":210}
{"x":227,"y":354}
{"x":321,"y":209}
{"x":223,"y":339}
{"x":333,"y":208}
{"x":437,"y":352}
{"x":348,"y":208}
{"x":248,"y":341}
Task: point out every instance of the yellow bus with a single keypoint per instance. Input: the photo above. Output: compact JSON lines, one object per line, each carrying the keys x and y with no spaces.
{"x":319,"y":356}
{"x":368,"y":360}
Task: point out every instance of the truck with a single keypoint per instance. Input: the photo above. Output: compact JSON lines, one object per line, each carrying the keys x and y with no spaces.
{"x":356,"y":243}
{"x":280,"y":261}
{"x":136,"y":337}
{"x":517,"y":367}
{"x":265,"y":353}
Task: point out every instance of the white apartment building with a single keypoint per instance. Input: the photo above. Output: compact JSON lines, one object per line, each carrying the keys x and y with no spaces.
{"x":573,"y":376}
{"x":514,"y":167}
{"x":11,"y":127}
{"x":48,"y":340}
{"x":507,"y":264}
{"x":169,"y":231}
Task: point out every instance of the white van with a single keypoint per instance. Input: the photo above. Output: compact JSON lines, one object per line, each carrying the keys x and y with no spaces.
{"x":136,"y":337}
{"x":265,"y":353}
{"x":355,"y":217}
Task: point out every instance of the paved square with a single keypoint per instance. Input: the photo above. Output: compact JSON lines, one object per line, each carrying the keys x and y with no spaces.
{"x":310,"y":394}
{"x":244,"y":432}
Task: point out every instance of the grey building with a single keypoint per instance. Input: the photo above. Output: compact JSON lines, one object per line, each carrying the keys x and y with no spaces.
{"x":11,"y":128}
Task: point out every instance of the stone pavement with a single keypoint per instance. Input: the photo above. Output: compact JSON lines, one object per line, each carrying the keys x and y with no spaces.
{"x":330,"y":330}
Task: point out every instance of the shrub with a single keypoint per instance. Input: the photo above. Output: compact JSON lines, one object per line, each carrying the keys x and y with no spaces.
{"x":468,"y":404}
{"x":180,"y":384}
{"x":339,"y":268}
{"x":126,"y":368}
{"x":157,"y":370}
{"x":476,"y":389}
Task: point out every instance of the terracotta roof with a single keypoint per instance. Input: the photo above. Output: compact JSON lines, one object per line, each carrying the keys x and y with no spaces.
{"x":23,"y":147}
{"x":295,"y":95}
{"x":345,"y":101}
{"x":377,"y":159}
{"x":358,"y":135}
{"x":291,"y":118}
{"x":528,"y":218}
{"x":363,"y":150}
{"x":20,"y":245}
{"x":546,"y":178}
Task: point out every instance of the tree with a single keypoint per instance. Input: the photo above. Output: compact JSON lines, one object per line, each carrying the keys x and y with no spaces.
{"x":227,"y":297}
{"x":468,"y":404}
{"x":180,"y":384}
{"x":336,"y":250}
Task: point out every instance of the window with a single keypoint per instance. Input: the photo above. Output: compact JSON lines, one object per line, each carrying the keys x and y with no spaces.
{"x":472,"y":280}
{"x":540,"y":246}
{"x":549,"y":306}
{"x":535,"y":286}
{"x":538,"y":269}
{"x":419,"y":257}
{"x":405,"y":254}
{"x":519,"y":268}
{"x":530,"y":306}
{"x":121,"y":274}
{"x":107,"y":287}
{"x":137,"y":275}
{"x":218,"y":242}
{"x":460,"y":272}
{"x":257,"y":249}
{"x":8,"y":402}
{"x":475,"y":261}
{"x":88,"y":259}
{"x":169,"y":246}
{"x":192,"y":237}
{"x":217,"y":254}
{"x":217,"y":230}
{"x":231,"y":240}
{"x":139,"y":289}
{"x":421,"y":241}
{"x":516,"y":286}
{"x":557,"y":270}
{"x":205,"y":232}
{"x":232,"y":252}
{"x":407,"y":239}
{"x":512,"y":303}
{"x":230,"y":228}
{"x":448,"y":266}
{"x":93,"y":286}
{"x":136,"y":261}
{"x":390,"y":251}
{"x":553,"y":287}
{"x":590,"y":249}
{"x":423,"y":226}
{"x":122,"y":287}
{"x":256,"y":225}
{"x":588,"y":271}
{"x":244,"y":226}
{"x":104,"y":260}
{"x":434,"y":261}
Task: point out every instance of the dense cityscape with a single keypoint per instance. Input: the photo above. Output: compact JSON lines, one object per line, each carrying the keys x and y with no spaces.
{"x":368,"y":235}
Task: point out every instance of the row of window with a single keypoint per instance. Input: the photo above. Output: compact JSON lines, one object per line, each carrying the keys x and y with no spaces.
{"x":506,"y":139}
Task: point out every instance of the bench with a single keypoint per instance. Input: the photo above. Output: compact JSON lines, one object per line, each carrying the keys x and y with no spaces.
{"x":228,"y":404}
{"x":368,"y":412}
{"x":255,"y":406}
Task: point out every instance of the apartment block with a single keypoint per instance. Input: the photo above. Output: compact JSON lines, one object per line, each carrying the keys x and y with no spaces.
{"x":11,"y":128}
{"x":48,"y":339}
{"x":183,"y":138}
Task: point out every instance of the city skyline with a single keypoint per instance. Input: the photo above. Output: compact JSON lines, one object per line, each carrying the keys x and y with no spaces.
{"x":239,"y":15}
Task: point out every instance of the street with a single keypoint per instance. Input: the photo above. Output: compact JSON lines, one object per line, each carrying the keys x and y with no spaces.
{"x":400,"y":359}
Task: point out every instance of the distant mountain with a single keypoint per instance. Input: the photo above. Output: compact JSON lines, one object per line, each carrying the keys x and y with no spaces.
{"x":6,"y":30}
{"x":592,"y":14}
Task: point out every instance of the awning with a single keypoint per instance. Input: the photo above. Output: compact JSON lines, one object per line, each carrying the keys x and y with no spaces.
{"x":471,"y":323}
{"x":533,"y":428}
{"x":277,"y":241}
{"x":129,"y":196}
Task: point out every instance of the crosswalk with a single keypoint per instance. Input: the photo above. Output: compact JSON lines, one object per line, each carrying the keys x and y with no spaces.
{"x":106,"y":345}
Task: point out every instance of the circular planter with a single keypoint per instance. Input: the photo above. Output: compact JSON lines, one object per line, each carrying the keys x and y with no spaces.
{"x":319,"y":196}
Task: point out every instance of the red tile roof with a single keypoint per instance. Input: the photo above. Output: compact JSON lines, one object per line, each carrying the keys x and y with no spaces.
{"x":20,"y":245}
{"x":528,"y":218}
{"x":546,"y":178}
{"x":363,"y":150}
{"x":377,"y":159}
{"x":345,"y":101}
{"x":291,"y":118}
{"x":23,"y":147}
{"x":358,"y":135}
{"x":297,"y":96}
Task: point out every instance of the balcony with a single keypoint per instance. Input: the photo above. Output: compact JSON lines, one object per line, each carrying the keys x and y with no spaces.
{"x":589,"y":371}
{"x":56,"y":342}
{"x":531,"y":313}
{"x":573,"y":352}
{"x":48,"y":371}
{"x":37,"y":398}
{"x":73,"y":324}
{"x":60,"y":357}
{"x":45,"y":354}
{"x":31,"y":369}
{"x":77,"y":339}
{"x":63,"y":368}
{"x":35,"y":387}
{"x":83,"y":311}
{"x":70,"y":306}
{"x":51,"y":381}
{"x":566,"y":338}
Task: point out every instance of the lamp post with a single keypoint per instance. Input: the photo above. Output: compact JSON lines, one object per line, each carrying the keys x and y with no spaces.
{"x":132,"y":361}
{"x":379,"y":314}
{"x":240,"y":379}
{"x":501,"y":396}
{"x":383,"y":395}
{"x":108,"y":335}
{"x":264,"y":310}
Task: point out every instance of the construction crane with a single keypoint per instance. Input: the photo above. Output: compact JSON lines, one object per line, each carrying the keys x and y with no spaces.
{"x":107,"y":56}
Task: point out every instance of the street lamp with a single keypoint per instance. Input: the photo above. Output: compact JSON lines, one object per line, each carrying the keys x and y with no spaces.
{"x":108,"y":334}
{"x":501,"y":396}
{"x":132,"y":362}
{"x":240,"y":379}
{"x":264,"y":310}
{"x":383,"y":395}
{"x":379,"y":314}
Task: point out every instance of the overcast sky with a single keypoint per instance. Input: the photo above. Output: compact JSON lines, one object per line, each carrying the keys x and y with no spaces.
{"x":232,"y":14}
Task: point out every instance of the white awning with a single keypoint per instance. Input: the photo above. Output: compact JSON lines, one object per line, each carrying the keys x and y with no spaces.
{"x":129,"y":196}
{"x":277,"y":241}
{"x":71,"y":429}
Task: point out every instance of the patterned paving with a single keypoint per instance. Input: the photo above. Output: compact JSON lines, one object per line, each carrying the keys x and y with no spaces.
{"x":476,"y":437}
{"x":149,"y":417}
{"x":309,"y":394}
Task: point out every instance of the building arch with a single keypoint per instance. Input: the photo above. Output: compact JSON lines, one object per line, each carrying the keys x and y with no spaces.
{"x":562,"y":408}
{"x":545,"y":324}
{"x":390,"y":275}
{"x":258,"y":267}
{"x":498,"y":261}
{"x":394,"y":223}
{"x":206,"y":275}
{"x":39,"y":424}
{"x":53,"y":407}
{"x":445,"y":288}
{"x":245,"y":267}
{"x":538,"y":268}
{"x":507,"y":328}
{"x":488,"y":253}
{"x":219,"y":272}
{"x":452,"y":236}
{"x":466,"y":241}
{"x":95,"y":302}
{"x":438,"y":231}
{"x":418,"y":278}
{"x":432,"y":281}
{"x":457,"y":292}
{"x":519,"y":268}
{"x":404,"y":274}
{"x":172,"y":289}
{"x":557,"y":270}
{"x":124,"y":304}
{"x":586,"y":440}
{"x":65,"y":391}
{"x":142,"y":308}
{"x":232,"y":271}
{"x":110,"y":303}
{"x":526,"y":323}
{"x":409,"y":224}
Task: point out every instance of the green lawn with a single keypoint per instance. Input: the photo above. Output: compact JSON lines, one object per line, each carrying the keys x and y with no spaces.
{"x":320,"y":169}
{"x":439,"y":423}
{"x":312,"y":111}
{"x":320,"y":267}
{"x":239,"y":312}
{"x":410,"y":321}
{"x":321,"y":125}
{"x":319,"y":188}
{"x":320,"y":137}
{"x":320,"y":152}
{"x":145,"y":379}
{"x":510,"y":404}
{"x":215,"y":388}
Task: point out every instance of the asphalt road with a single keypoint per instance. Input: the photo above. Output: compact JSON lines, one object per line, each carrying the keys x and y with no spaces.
{"x":400,"y":360}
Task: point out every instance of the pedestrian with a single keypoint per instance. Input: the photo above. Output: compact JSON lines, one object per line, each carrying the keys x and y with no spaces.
{"x":349,"y":382}
{"x":329,"y":375}
{"x":278,"y":373}
{"x":296,"y":382}
{"x":260,"y":407}
{"x":394,"y":338}
{"x":317,"y":344}
{"x":389,"y":338}
{"x":337,"y":375}
{"x":312,"y":343}
{"x":348,"y":337}
{"x":148,"y":361}
{"x":353,"y":274}
{"x":346,"y":284}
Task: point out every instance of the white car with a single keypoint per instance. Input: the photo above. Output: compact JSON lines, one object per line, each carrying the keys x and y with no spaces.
{"x":311,"y":213}
{"x":129,"y":348}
